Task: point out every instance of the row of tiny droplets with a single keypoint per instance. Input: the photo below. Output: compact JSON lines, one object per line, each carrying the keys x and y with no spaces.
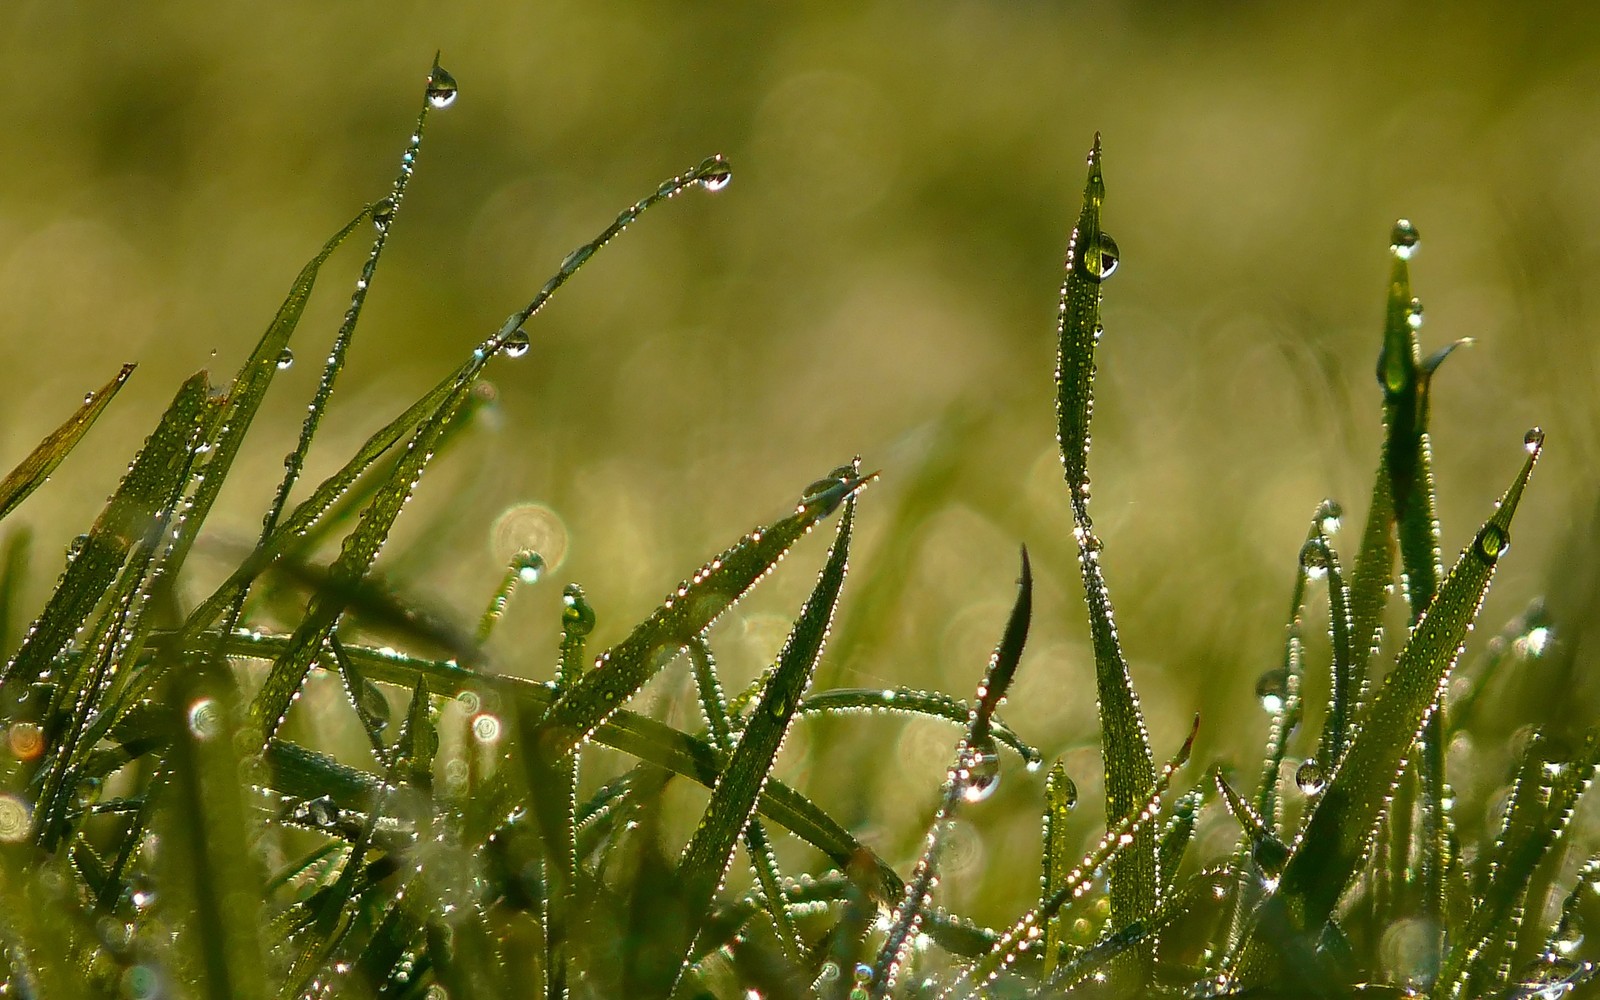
{"x":1022,"y":935}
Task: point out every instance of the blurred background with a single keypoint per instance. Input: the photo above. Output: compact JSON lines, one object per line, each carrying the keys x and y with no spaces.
{"x":880,"y":279}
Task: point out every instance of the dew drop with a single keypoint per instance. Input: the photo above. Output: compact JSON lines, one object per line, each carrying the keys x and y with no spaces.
{"x":205,"y":718}
{"x":321,"y":812}
{"x":978,"y":770}
{"x":715,"y":173}
{"x":1330,"y":513}
{"x":1403,"y":239}
{"x":1533,"y":440}
{"x":516,"y":343}
{"x":529,"y":565}
{"x":577,"y":617}
{"x":1310,"y":777}
{"x":575,"y":259}
{"x":1414,"y":314}
{"x":1099,"y":263}
{"x":75,"y":547}
{"x":1314,"y":559}
{"x":441,"y":88}
{"x":285,"y":359}
{"x":1491,"y":542}
{"x":383,"y":213}
{"x":1270,"y":853}
{"x":486,"y":728}
{"x":1272,"y":687}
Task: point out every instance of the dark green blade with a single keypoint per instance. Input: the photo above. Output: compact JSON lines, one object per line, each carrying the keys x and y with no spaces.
{"x":33,"y":471}
{"x":733,"y":801}
{"x":1340,"y":829}
{"x":1129,"y":763}
{"x":714,"y":588}
{"x":145,"y":491}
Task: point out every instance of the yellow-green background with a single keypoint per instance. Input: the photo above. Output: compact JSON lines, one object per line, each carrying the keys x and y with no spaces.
{"x":880,"y":278}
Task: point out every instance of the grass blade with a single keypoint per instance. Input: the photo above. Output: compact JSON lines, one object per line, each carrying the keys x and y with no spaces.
{"x":699,"y":601}
{"x":1129,"y":763}
{"x":33,"y":471}
{"x":1340,"y":829}
{"x":927,"y":704}
{"x":733,"y":801}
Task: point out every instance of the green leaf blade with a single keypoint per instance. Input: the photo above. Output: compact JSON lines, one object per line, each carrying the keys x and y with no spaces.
{"x":33,"y":471}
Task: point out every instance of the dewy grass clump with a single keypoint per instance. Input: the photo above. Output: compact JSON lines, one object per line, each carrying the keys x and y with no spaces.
{"x":161,"y":836}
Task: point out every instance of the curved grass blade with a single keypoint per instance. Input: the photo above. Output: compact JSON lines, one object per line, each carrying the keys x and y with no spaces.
{"x":972,"y":777}
{"x":1344,"y":688}
{"x":733,"y":802}
{"x":927,"y":704}
{"x":1340,"y":828}
{"x":1026,"y":933}
{"x":718,"y":585}
{"x":33,"y":471}
{"x":1125,"y":743}
{"x":446,"y":396}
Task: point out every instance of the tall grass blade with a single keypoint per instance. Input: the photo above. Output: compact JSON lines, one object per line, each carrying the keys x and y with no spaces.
{"x":972,"y":777}
{"x":713,"y":589}
{"x":1129,"y":763}
{"x":1340,"y":829}
{"x":733,"y":802}
{"x":33,"y":471}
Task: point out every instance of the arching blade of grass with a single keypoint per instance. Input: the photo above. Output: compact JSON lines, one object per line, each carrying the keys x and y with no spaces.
{"x":1340,"y":829}
{"x":1056,"y":854}
{"x":1542,"y":803}
{"x":624,"y":668}
{"x":125,"y":522}
{"x":32,"y":471}
{"x":1129,"y":763}
{"x":733,"y":802}
{"x":300,"y":772}
{"x":1348,"y":662}
{"x":972,"y":777}
{"x":13,"y":567}
{"x":446,"y":396}
{"x":927,"y":704}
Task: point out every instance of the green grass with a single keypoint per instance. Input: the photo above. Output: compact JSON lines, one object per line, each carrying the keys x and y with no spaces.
{"x":177,"y":820}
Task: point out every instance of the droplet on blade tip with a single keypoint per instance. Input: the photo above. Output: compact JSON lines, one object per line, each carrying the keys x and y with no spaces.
{"x":441,"y":88}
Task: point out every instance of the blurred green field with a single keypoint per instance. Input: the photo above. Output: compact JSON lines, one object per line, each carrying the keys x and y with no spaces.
{"x":880,"y":278}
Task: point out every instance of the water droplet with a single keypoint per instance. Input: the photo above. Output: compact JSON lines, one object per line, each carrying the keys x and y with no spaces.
{"x":1272,"y":688}
{"x":383,"y":213}
{"x":486,"y":728}
{"x":1414,"y":314}
{"x":441,"y":88}
{"x":285,"y":359}
{"x":1403,"y":239}
{"x":1310,"y":777}
{"x":1491,"y":542}
{"x":75,"y":547}
{"x":829,"y":490}
{"x":1329,"y":515}
{"x":577,"y":617}
{"x":978,"y":770}
{"x":516,"y":343}
{"x":1100,"y":262}
{"x":575,"y":259}
{"x":529,"y":565}
{"x":205,"y":718}
{"x":1533,"y":440}
{"x":321,"y":812}
{"x":1569,"y":935}
{"x":1314,"y":559}
{"x":715,"y":173}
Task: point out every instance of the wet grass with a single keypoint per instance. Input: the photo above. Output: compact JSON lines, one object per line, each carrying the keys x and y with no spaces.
{"x":180,"y":816}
